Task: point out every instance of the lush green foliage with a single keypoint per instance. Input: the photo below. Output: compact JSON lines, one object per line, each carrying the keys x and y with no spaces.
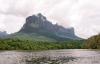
{"x":92,"y":42}
{"x":18,"y":44}
{"x":31,"y":36}
{"x":15,"y":43}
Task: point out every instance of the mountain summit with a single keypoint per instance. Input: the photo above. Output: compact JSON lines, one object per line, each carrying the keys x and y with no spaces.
{"x":39,"y":25}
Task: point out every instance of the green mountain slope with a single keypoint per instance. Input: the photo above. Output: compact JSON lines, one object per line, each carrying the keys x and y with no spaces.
{"x":92,"y":42}
{"x":31,"y":36}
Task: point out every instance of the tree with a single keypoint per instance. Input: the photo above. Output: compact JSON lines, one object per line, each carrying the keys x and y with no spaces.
{"x":92,"y":42}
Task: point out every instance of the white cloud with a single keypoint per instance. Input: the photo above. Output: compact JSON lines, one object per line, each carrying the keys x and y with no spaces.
{"x":86,"y":15}
{"x":83,"y":15}
{"x":2,"y":26}
{"x":14,"y":24}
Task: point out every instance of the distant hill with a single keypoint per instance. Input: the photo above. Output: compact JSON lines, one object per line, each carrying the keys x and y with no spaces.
{"x":3,"y":33}
{"x":37,"y":27}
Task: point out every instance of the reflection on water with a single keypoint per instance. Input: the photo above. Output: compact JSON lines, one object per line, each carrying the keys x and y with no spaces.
{"x":49,"y":60}
{"x":66,"y":56}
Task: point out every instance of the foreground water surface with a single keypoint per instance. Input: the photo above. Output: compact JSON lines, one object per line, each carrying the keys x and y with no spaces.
{"x":65,"y":56}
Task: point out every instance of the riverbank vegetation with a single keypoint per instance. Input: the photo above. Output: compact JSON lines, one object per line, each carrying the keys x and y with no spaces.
{"x":21,"y":44}
{"x":18,"y":44}
{"x":92,"y":42}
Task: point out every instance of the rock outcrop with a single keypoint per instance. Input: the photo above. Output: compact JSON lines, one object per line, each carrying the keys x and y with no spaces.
{"x":40,"y":25}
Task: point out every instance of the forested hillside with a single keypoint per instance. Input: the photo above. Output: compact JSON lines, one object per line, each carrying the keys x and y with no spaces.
{"x":92,"y":42}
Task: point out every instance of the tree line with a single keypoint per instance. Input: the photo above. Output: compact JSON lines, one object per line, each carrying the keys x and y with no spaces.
{"x":18,"y":44}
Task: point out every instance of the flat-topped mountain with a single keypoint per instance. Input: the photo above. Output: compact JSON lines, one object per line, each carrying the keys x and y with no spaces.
{"x":39,"y":25}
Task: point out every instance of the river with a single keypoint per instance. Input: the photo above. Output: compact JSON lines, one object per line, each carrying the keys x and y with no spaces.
{"x":64,"y":56}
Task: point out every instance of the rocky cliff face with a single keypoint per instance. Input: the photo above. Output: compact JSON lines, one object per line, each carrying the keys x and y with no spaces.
{"x":40,"y":25}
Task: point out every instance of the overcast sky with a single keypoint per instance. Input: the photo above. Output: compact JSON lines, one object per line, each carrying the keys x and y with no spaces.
{"x":83,"y":15}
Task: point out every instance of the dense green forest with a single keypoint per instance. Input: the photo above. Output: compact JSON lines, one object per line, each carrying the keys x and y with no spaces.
{"x":18,"y":44}
{"x":92,"y":42}
{"x":22,"y":44}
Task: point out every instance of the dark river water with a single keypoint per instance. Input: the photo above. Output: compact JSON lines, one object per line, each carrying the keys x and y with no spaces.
{"x":65,"y":56}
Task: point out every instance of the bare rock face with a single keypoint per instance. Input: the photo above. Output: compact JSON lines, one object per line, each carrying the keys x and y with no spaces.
{"x":40,"y":25}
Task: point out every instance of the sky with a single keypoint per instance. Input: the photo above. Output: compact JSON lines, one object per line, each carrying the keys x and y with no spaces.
{"x":83,"y":15}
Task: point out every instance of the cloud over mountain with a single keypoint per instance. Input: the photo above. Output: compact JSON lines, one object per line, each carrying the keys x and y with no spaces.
{"x":83,"y":15}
